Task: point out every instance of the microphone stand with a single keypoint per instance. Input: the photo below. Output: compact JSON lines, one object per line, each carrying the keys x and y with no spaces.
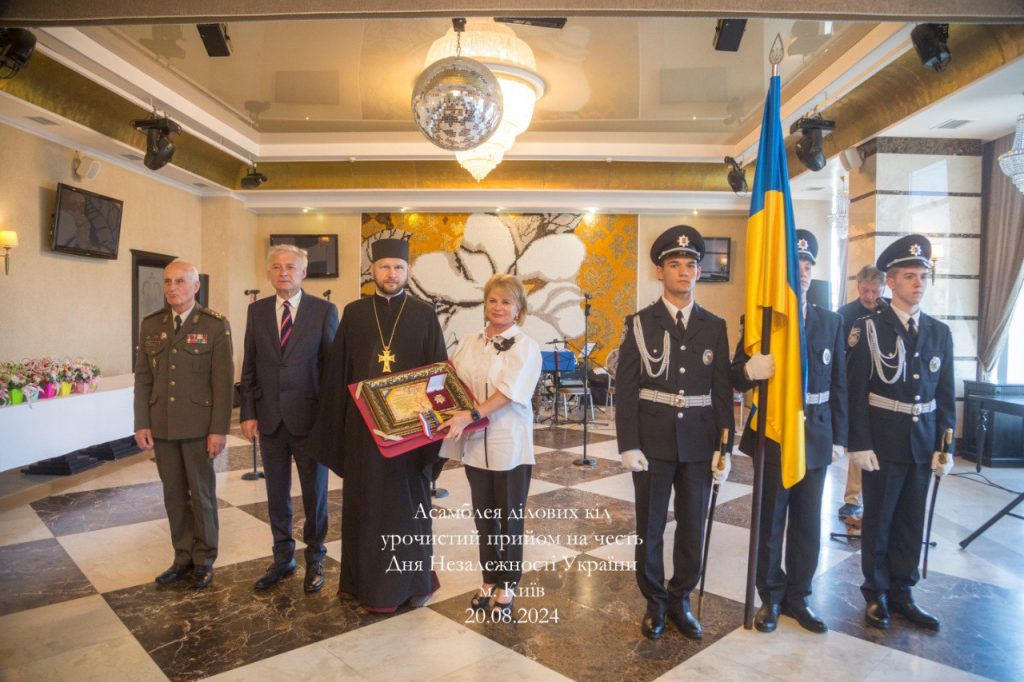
{"x":255,"y":474}
{"x":438,"y":467}
{"x":585,"y":461}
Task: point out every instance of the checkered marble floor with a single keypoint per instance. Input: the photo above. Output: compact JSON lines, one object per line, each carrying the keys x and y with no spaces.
{"x":77,"y":598}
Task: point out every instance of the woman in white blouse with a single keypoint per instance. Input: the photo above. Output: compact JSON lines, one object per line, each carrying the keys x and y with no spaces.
{"x":501,"y":366}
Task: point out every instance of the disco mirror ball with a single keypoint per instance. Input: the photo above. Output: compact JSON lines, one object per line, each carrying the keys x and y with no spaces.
{"x":457,"y":103}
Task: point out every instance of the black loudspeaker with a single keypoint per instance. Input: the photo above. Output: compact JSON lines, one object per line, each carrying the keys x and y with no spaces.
{"x":728,"y":34}
{"x":820,"y":293}
{"x":216,"y":39}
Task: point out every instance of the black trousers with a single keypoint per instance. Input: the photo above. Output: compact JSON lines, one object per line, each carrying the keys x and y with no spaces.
{"x":278,"y":450}
{"x":692,"y":484}
{"x":792,"y":514}
{"x":893,"y":528}
{"x":500,"y":495}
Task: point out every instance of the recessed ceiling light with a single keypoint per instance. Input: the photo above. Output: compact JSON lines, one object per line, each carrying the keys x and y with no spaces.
{"x":696,"y":212}
{"x":405,"y":209}
{"x":306,"y":210}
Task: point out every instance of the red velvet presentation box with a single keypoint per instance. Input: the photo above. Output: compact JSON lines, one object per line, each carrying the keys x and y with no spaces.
{"x":392,"y":405}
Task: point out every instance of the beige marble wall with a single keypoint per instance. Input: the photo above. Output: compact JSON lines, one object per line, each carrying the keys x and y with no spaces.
{"x":229,"y":246}
{"x":345,"y":287}
{"x":59,"y":304}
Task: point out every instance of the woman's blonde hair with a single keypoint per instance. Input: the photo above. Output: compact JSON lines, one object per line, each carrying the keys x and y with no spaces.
{"x":511,"y":285}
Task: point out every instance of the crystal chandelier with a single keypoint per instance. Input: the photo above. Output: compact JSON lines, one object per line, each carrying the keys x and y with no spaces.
{"x":1012,"y":162}
{"x":512,"y":63}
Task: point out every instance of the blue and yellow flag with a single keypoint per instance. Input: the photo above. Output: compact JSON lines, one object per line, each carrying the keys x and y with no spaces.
{"x":773,"y":281}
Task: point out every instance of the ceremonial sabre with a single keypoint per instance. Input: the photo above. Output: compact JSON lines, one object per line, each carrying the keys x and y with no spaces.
{"x":947,"y":442}
{"x":710,"y":523}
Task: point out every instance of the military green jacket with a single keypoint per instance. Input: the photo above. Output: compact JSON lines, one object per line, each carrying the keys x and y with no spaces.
{"x":184,"y":381}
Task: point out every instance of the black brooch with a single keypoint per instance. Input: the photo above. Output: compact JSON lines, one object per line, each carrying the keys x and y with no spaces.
{"x":503,"y":344}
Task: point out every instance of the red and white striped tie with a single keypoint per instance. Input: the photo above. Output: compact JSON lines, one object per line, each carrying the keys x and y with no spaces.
{"x":286,"y":323}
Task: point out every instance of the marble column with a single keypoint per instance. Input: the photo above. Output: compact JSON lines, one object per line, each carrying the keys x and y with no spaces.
{"x":931,"y":187}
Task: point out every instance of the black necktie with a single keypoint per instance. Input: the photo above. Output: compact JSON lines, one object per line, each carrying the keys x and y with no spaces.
{"x":912,"y":328}
{"x":679,"y":322}
{"x":177,"y":323}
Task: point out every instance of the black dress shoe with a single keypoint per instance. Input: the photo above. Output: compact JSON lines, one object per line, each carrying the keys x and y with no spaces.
{"x":686,"y":622}
{"x":275,"y":574}
{"x":877,"y":613}
{"x":767,"y":617}
{"x":175,"y":572}
{"x":314,"y":576}
{"x":808,"y":619}
{"x":202,"y":576}
{"x":653,"y":625}
{"x":915,"y":614}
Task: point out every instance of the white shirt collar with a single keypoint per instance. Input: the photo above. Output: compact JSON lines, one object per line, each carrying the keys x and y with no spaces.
{"x":293,"y":301}
{"x":184,"y":315}
{"x":904,"y":316}
{"x":672,"y":310}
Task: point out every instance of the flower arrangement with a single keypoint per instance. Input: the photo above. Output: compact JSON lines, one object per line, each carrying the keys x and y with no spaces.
{"x":41,"y":378}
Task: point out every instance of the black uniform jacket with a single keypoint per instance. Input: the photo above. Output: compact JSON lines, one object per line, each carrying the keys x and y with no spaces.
{"x":895,"y":436}
{"x":826,"y":424}
{"x":698,"y":364}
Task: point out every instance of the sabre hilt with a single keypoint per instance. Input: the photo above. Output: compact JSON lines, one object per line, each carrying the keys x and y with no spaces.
{"x":721,"y":449}
{"x":947,"y":445}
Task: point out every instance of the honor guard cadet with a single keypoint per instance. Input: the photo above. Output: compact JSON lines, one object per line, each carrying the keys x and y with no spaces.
{"x":184,"y":390}
{"x":674,"y":400}
{"x":900,"y":369}
{"x":825,"y":437}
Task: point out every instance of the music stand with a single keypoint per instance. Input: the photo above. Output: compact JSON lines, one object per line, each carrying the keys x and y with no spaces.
{"x":555,"y":362}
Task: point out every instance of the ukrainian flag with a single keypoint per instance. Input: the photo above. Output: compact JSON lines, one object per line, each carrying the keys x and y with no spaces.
{"x":773,"y":281}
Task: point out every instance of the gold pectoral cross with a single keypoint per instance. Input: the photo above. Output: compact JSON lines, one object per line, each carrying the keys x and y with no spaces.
{"x":386,"y":358}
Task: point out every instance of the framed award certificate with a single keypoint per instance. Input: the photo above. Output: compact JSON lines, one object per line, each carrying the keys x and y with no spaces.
{"x":404,"y":409}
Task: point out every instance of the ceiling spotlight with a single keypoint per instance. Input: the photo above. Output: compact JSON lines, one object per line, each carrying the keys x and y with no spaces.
{"x":930,"y":42}
{"x":809,"y":147}
{"x":159,"y":148}
{"x":254,"y":179}
{"x":16,"y":47}
{"x":737,"y":176}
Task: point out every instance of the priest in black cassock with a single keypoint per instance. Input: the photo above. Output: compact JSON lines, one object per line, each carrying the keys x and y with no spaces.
{"x":388,"y":332}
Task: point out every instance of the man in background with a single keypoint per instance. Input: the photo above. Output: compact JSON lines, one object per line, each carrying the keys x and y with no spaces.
{"x":184,"y":386}
{"x":870,"y":284}
{"x":287,"y":338}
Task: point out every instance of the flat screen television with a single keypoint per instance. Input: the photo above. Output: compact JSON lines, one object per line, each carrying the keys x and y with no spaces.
{"x":86,"y":223}
{"x":322,"y":250}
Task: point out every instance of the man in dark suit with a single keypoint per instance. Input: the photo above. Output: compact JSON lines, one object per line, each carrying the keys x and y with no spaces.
{"x":825,"y":406}
{"x":900,"y":368}
{"x":183,"y":393}
{"x":287,"y":338}
{"x":674,"y":400}
{"x":870,"y":283}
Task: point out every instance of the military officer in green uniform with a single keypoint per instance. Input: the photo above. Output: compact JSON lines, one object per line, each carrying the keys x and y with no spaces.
{"x":184,"y":376}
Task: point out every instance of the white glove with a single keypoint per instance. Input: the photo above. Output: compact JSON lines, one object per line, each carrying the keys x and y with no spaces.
{"x":837,"y":452}
{"x":865,"y":459}
{"x":720,"y":474}
{"x":942,"y":463}
{"x":634,"y":460}
{"x":759,"y":367}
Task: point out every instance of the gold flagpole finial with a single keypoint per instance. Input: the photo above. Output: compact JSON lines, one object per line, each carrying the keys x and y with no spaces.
{"x":776,"y":54}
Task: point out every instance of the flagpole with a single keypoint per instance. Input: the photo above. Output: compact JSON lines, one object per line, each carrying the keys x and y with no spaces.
{"x":775,"y":56}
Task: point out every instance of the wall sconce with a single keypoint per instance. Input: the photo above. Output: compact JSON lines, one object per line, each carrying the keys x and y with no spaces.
{"x":8,"y":241}
{"x":938,"y":252}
